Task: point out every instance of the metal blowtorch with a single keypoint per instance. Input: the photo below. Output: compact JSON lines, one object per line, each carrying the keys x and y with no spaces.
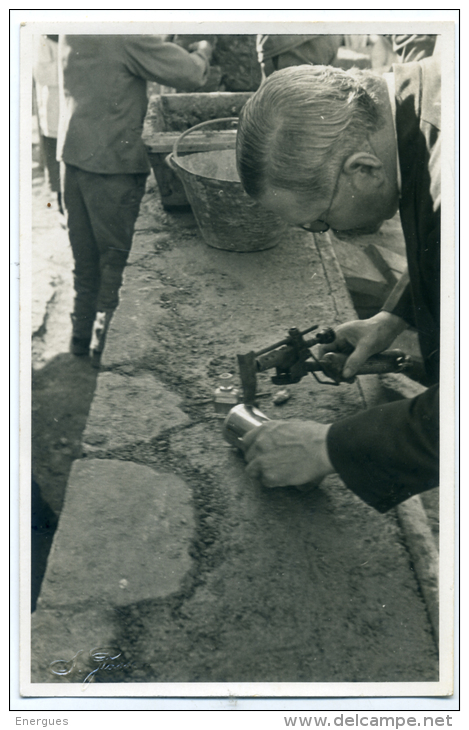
{"x":292,"y":360}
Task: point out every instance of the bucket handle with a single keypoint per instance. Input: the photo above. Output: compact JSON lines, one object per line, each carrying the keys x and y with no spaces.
{"x":169,"y":159}
{"x":174,"y":155}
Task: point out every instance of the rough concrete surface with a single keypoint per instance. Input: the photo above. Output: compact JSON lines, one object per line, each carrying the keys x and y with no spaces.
{"x":268,"y":585}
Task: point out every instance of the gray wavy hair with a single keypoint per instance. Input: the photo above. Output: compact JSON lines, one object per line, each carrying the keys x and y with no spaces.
{"x":300,"y":126}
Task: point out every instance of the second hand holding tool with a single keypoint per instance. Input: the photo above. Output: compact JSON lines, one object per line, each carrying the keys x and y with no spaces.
{"x":292,"y":359}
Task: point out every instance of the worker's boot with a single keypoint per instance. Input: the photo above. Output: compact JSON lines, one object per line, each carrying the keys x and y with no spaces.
{"x":98,"y":337}
{"x":81,"y":336}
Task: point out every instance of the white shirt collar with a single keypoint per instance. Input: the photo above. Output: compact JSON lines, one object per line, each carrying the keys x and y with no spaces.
{"x":389,"y":78}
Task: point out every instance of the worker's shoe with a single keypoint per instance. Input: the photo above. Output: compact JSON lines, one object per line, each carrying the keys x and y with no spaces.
{"x":98,"y":337}
{"x":81,"y":335}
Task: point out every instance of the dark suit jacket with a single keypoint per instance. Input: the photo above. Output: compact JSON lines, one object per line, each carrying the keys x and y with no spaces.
{"x":387,"y":454}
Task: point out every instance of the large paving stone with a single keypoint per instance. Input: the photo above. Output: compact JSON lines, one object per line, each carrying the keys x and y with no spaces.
{"x":127,"y":410}
{"x":123,"y":536}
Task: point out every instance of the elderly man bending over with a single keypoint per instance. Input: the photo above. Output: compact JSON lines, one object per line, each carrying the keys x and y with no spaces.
{"x":325,"y":148}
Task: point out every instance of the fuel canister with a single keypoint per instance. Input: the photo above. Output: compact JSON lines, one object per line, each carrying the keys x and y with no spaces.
{"x":239,"y":421}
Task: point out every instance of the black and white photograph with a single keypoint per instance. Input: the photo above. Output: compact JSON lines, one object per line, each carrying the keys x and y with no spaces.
{"x":236,"y":478}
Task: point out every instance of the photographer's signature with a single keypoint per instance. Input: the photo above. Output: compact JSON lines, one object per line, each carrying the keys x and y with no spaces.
{"x":107,"y":660}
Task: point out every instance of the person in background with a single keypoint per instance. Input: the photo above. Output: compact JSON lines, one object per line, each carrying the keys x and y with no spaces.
{"x":103,"y":102}
{"x":279,"y":51}
{"x":413,"y":47}
{"x":388,"y":49}
{"x":325,"y":148}
{"x":376,"y":52}
{"x":46,"y":91}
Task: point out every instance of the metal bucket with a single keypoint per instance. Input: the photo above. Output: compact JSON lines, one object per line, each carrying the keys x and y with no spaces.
{"x":227,"y":217}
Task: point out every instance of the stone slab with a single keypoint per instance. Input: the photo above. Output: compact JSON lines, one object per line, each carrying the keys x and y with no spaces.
{"x":128,"y":410}
{"x":123,"y":536}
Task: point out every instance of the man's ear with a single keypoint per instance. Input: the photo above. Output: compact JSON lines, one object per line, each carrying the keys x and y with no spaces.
{"x":362,"y":162}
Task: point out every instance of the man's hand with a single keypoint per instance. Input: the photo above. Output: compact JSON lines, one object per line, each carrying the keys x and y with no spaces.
{"x":204,"y":48}
{"x":287,"y":453}
{"x":364,"y":338}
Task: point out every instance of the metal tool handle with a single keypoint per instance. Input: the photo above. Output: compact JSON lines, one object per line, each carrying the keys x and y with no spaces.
{"x":389,"y":361}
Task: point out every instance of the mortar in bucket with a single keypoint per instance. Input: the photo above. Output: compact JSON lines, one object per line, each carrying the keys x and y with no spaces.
{"x":227,"y":217}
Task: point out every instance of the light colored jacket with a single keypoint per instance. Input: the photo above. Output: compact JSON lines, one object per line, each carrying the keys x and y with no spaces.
{"x":103,"y":97}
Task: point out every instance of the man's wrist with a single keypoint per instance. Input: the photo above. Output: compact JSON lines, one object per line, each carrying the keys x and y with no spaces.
{"x":325,"y":466}
{"x":393,"y":320}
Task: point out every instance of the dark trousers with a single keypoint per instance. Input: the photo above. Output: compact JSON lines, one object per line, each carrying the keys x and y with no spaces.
{"x":101,"y":213}
{"x":48,"y":148}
